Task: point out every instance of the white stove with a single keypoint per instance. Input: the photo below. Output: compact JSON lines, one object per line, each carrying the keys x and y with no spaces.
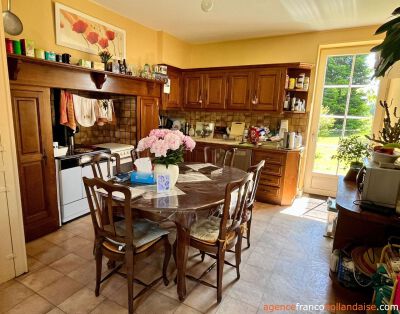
{"x":123,"y":150}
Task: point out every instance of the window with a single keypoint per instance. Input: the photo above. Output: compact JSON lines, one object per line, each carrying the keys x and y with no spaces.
{"x":347,"y":108}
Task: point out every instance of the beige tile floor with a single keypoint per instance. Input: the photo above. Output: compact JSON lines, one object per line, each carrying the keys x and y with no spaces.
{"x":287,"y":263}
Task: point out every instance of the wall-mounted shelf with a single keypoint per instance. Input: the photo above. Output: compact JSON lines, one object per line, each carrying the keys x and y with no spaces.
{"x":25,"y":70}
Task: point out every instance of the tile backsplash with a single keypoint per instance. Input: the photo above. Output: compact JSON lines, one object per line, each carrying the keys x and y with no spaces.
{"x":124,"y":129}
{"x":297,"y":122}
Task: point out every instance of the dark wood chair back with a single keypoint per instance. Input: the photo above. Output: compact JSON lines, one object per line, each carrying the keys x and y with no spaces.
{"x":96,"y":160}
{"x":211,"y":155}
{"x":256,"y":173}
{"x":235,"y":201}
{"x":134,"y":155}
{"x":101,"y":211}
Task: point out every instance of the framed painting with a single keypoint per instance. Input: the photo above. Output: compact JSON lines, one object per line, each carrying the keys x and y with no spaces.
{"x":82,"y":32}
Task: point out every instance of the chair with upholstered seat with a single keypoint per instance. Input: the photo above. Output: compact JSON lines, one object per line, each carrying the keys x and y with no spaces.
{"x":213,"y":155}
{"x":215,"y":235}
{"x":123,"y":241}
{"x":248,"y":211}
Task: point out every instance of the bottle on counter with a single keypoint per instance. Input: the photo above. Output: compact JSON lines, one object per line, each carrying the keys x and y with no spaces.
{"x":291,"y":142}
{"x":191,"y":131}
{"x":298,"y":140}
{"x":186,"y":128}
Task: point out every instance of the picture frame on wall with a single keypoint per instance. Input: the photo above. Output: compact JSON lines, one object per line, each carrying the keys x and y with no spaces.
{"x":80,"y":31}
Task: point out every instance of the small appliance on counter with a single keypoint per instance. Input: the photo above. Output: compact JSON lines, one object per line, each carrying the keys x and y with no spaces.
{"x":236,"y":130}
{"x":205,"y":129}
{"x":379,"y":188}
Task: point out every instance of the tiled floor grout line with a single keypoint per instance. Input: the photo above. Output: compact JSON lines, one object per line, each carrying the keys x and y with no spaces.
{"x":230,"y":304}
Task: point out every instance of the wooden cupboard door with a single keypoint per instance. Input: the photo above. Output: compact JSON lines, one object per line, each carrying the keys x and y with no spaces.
{"x":239,"y":90}
{"x":147,"y":116}
{"x":215,"y":91}
{"x":267,"y":88}
{"x":173,"y":99}
{"x":193,"y":90}
{"x":33,"y":135}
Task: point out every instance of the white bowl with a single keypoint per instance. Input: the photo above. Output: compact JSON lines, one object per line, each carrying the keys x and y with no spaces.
{"x":385,"y":158}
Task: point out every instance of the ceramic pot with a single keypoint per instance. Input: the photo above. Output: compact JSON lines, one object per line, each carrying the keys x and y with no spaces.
{"x":172,"y":170}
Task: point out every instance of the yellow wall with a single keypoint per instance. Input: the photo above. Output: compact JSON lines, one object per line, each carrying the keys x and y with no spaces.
{"x":142,"y":42}
{"x":281,"y":49}
{"x":145,"y":45}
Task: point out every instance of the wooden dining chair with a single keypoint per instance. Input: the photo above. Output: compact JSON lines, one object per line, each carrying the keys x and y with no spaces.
{"x":211,"y":155}
{"x":134,"y":155}
{"x":255,"y":172}
{"x":216,"y":235}
{"x":95,"y":161}
{"x":123,"y":241}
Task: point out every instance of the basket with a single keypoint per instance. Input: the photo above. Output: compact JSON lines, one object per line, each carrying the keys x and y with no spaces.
{"x":389,"y":293}
{"x":349,"y":276}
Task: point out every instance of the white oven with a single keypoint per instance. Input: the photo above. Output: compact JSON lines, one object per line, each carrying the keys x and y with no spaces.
{"x":124,"y":152}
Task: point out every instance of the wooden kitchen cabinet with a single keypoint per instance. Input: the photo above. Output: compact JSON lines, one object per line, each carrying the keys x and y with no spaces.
{"x":173,"y":99}
{"x":147,"y":116}
{"x":239,"y":90}
{"x":36,"y":166}
{"x":215,"y":90}
{"x":279,"y":177}
{"x":193,"y":90}
{"x":268,"y":90}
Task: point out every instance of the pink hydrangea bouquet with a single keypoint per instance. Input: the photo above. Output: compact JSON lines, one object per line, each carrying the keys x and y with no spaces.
{"x":166,"y":145}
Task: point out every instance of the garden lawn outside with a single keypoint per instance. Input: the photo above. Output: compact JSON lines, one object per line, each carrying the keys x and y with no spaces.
{"x":323,"y":162}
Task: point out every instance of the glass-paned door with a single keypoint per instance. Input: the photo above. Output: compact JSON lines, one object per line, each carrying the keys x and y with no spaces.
{"x":345,"y":99}
{"x":348,"y":107}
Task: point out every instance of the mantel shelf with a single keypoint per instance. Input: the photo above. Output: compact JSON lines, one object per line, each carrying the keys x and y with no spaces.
{"x":25,"y":70}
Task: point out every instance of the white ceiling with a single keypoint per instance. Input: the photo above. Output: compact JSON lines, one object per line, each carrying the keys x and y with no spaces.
{"x":239,"y":19}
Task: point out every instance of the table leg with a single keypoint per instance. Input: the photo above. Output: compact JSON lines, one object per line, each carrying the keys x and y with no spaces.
{"x":183,"y":224}
{"x":182,"y":250}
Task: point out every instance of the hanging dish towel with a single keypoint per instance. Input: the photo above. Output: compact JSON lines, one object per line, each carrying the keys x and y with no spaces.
{"x":67,"y":112}
{"x":105,"y":112}
{"x":85,"y":111}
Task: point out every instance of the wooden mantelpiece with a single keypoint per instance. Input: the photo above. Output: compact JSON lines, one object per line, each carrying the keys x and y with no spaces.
{"x":24,"y":70}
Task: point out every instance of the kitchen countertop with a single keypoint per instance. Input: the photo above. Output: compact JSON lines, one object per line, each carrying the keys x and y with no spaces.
{"x":233,"y":143}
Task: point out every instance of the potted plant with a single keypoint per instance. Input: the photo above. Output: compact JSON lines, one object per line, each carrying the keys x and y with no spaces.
{"x":105,"y":56}
{"x":388,"y":138}
{"x":168,"y":147}
{"x":388,"y":51}
{"x":351,"y":150}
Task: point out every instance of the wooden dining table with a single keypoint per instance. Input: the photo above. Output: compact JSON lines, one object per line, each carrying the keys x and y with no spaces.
{"x":184,"y":209}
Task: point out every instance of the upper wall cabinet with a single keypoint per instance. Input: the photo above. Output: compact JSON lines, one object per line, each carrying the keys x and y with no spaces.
{"x":239,"y":83}
{"x":193,"y":90}
{"x":268,"y":89}
{"x":252,"y":87}
{"x":215,"y":90}
{"x":173,"y":100}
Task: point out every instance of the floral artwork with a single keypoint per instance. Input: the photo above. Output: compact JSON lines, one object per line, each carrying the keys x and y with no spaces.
{"x":82,"y":32}
{"x":166,"y":145}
